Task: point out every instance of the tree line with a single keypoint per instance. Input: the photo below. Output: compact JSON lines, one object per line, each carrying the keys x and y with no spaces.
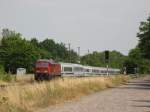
{"x":16,"y":52}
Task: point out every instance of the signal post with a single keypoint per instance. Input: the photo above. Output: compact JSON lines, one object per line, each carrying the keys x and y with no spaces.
{"x":107,"y":60}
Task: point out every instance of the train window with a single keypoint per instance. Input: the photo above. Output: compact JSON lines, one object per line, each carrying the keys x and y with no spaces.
{"x":87,"y":70}
{"x":78,"y":69}
{"x":42,"y":64}
{"x":68,"y":69}
{"x":95,"y":71}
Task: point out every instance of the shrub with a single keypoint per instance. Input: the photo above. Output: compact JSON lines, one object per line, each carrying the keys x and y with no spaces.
{"x":3,"y":75}
{"x":1,"y":69}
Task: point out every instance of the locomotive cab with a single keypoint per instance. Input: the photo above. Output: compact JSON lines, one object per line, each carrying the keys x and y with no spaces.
{"x":46,"y":69}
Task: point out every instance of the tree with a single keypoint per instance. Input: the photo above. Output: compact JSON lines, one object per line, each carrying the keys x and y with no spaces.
{"x":44,"y":54}
{"x":17,"y":52}
{"x":144,"y":38}
{"x":136,"y":60}
{"x":58,"y":51}
{"x":50,"y":46}
{"x":98,"y":59}
{"x":35,"y":42}
{"x":135,"y":54}
{"x":94,"y":59}
{"x":116,"y":59}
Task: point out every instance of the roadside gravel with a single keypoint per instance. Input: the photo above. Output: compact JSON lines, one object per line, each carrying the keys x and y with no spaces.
{"x":132,"y":97}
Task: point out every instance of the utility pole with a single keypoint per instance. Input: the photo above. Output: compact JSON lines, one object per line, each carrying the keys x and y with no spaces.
{"x":88,"y":57}
{"x":69,"y":52}
{"x":79,"y":53}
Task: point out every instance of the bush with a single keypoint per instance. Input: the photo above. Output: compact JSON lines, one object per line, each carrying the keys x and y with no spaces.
{"x":2,"y":69}
{"x":3,"y":75}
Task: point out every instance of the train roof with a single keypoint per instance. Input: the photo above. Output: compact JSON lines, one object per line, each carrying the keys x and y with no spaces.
{"x":70,"y":64}
{"x":46,"y":60}
{"x":76,"y":65}
{"x":87,"y":67}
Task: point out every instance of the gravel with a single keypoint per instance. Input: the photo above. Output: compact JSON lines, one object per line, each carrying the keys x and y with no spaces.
{"x":132,"y":97}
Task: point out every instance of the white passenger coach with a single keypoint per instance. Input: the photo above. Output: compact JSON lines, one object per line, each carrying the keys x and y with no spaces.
{"x":70,"y":69}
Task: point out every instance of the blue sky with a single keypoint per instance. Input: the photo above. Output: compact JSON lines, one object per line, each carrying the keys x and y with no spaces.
{"x":96,"y":25}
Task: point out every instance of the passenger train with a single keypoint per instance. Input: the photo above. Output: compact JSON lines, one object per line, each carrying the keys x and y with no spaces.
{"x":47,"y":69}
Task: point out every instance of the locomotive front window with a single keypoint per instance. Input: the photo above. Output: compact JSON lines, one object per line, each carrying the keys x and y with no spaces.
{"x":41,"y":64}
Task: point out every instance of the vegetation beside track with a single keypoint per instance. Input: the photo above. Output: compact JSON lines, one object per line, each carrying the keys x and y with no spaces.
{"x":30,"y":97}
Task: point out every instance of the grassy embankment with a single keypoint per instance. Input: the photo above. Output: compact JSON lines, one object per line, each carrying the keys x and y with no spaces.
{"x":31,"y":97}
{"x":8,"y":79}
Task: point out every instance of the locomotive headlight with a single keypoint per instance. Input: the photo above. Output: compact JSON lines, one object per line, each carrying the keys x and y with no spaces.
{"x":45,"y":71}
{"x":37,"y":71}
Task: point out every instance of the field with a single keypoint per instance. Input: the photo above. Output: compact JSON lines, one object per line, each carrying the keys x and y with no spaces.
{"x":26,"y":95}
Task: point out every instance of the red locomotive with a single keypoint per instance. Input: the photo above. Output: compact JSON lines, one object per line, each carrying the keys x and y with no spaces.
{"x":46,"y":69}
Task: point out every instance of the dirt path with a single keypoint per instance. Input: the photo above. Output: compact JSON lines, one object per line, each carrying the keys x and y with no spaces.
{"x":132,"y":97}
